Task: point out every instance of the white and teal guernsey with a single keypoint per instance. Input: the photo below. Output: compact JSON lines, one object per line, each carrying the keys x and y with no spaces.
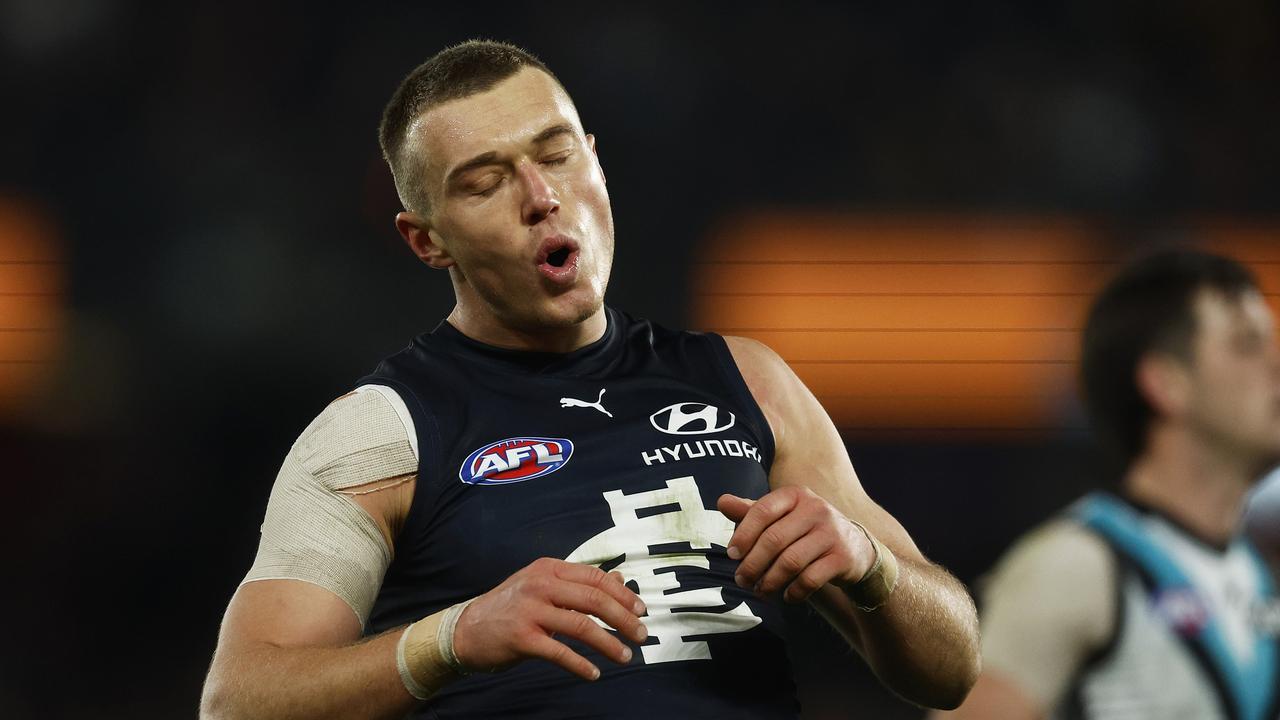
{"x":1196,"y":629}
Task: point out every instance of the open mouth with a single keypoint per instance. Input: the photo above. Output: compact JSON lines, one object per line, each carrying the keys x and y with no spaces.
{"x":558,"y":259}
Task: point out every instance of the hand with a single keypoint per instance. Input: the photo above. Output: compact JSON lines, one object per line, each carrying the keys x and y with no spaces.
{"x":792,"y":537}
{"x":518,"y":619}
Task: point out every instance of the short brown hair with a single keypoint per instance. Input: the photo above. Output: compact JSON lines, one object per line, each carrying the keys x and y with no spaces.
{"x":1149,"y":306}
{"x":453,"y":73}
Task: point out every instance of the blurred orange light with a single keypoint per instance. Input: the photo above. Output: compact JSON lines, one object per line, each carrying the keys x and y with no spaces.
{"x":32,"y":278}
{"x":930,"y":325}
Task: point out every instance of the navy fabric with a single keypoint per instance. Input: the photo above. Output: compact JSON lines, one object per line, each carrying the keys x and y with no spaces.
{"x":484,"y":508}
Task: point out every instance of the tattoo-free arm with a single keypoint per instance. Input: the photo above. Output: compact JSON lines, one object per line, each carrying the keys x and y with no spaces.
{"x":289,"y":649}
{"x":923,"y":642}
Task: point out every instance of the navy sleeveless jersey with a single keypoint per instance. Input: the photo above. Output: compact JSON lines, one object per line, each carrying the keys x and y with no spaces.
{"x":612,"y":455}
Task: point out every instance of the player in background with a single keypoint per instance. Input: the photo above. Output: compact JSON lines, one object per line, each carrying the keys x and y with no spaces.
{"x":545,"y":478}
{"x":1150,"y":603}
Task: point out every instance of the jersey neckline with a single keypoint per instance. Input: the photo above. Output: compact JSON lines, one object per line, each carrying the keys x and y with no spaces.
{"x":1142,"y":508}
{"x":583,"y":360}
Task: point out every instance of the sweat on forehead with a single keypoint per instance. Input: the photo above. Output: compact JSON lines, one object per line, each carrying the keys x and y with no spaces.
{"x":519,"y":113}
{"x":456,"y":72}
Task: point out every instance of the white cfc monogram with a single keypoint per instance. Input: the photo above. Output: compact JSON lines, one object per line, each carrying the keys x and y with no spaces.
{"x":633,"y":536}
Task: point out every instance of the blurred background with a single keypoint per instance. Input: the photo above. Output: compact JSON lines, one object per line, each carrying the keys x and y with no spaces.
{"x":911,"y":201}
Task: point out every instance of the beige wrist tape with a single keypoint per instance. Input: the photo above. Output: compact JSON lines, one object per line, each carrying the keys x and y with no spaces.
{"x":875,"y":587}
{"x":425,"y":656}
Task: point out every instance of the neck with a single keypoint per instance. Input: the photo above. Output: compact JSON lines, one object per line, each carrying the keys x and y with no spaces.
{"x":485,"y":328}
{"x":1202,"y":488}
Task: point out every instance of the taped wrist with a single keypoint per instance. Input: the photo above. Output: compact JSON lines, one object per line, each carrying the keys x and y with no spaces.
{"x":878,"y":583}
{"x":425,"y":657}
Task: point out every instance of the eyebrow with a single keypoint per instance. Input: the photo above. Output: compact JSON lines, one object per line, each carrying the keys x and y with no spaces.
{"x":488,"y":158}
{"x":553,"y":132}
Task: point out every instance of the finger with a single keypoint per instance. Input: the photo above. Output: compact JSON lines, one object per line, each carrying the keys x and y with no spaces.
{"x":792,"y":561}
{"x":819,"y":573}
{"x":762,"y":514}
{"x":544,"y":647}
{"x":597,"y":602}
{"x":772,"y":541}
{"x":595,"y":577}
{"x":734,"y":507}
{"x":580,"y":626}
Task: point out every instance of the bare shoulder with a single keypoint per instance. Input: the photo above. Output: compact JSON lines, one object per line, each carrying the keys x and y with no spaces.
{"x":756,"y":358}
{"x":1048,"y":605}
{"x":1060,"y":574}
{"x":782,"y":397}
{"x":1058,"y":552}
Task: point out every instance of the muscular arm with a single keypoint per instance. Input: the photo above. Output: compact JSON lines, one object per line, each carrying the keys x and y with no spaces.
{"x":923,"y":642}
{"x":290,"y":643}
{"x":291,"y":639}
{"x":289,"y":649}
{"x":1048,"y":606}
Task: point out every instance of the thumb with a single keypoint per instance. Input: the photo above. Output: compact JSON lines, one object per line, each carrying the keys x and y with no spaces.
{"x":734,"y":507}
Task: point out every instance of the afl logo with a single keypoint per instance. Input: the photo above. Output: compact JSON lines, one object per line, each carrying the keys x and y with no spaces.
{"x":1183,"y":609}
{"x":691,"y":418}
{"x":515,"y":460}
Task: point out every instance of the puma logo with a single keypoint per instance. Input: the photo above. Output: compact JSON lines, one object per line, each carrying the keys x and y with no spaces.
{"x":574,"y":402}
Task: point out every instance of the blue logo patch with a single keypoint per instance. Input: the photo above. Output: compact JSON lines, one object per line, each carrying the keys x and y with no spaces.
{"x":515,"y":460}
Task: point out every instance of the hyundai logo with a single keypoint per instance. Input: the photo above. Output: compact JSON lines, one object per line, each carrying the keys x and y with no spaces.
{"x":691,"y":418}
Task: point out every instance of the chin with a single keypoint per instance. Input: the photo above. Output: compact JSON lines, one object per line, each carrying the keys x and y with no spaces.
{"x":555,"y":313}
{"x":573,"y":313}
{"x":1268,"y":460}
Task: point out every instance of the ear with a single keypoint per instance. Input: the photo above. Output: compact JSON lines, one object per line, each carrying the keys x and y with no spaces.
{"x":422,"y":240}
{"x":1165,"y":382}
{"x":591,"y":143}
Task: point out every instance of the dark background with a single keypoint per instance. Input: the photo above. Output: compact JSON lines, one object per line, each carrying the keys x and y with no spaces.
{"x":223,"y":218}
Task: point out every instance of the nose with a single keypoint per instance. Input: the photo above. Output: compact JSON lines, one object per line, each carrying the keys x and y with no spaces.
{"x":540,"y":198}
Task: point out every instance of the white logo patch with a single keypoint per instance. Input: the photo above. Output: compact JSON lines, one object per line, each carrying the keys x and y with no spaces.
{"x":691,"y":418}
{"x":575,"y":402}
{"x":633,"y":536}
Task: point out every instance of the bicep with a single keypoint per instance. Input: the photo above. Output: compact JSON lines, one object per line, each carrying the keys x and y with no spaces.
{"x":287,"y":613}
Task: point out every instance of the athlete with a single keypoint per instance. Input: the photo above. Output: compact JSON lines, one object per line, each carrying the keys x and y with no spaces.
{"x":546,"y":508}
{"x":1150,"y":603}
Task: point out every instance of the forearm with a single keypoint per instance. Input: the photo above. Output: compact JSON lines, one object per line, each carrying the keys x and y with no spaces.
{"x":923,"y":642}
{"x":264,"y":681}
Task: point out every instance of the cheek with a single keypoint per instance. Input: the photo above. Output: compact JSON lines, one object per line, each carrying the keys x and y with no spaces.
{"x":479,"y":244}
{"x":590,"y":190}
{"x":1246,"y":394}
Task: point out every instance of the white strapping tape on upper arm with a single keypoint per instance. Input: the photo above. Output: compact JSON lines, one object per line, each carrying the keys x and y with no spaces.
{"x":358,"y":439}
{"x":314,"y":534}
{"x":402,"y":411}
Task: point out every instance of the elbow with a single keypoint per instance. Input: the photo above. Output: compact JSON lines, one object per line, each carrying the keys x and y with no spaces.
{"x":950,"y":690}
{"x":941,"y":685}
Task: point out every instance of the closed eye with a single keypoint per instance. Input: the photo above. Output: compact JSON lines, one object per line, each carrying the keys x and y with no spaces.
{"x":558,"y":158}
{"x":489,"y":189}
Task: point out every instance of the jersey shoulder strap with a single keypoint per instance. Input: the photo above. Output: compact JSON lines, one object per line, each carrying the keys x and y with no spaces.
{"x":1249,"y":689}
